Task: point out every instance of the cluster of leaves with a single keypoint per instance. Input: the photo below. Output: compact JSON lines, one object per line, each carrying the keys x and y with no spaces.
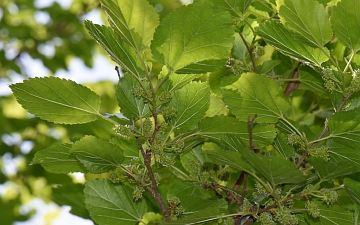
{"x":235,"y":112}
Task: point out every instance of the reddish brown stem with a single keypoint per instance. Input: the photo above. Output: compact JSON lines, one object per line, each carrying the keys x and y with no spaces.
{"x":154,"y":190}
{"x":250,"y":52}
{"x":293,"y":85}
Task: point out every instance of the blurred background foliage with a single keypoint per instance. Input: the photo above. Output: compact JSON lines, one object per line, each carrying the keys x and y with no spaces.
{"x":53,"y":34}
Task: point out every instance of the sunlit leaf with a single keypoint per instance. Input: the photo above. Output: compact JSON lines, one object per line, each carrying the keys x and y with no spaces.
{"x":346,"y":24}
{"x":118,"y":50}
{"x":57,"y":100}
{"x":191,"y":102}
{"x":135,"y":21}
{"x":194,"y":39}
{"x":310,"y":21}
{"x":256,"y":94}
{"x":280,"y":38}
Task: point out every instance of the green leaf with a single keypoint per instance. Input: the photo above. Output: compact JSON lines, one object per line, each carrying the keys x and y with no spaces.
{"x":196,"y":38}
{"x":118,"y":50}
{"x":192,"y":159}
{"x":275,"y":168}
{"x":283,"y":148}
{"x":71,"y":195}
{"x":280,"y":38}
{"x":258,"y":95}
{"x":340,"y":152}
{"x":311,"y":80}
{"x":57,"y":100}
{"x":230,"y":158}
{"x":130,"y":106}
{"x":110,"y":204}
{"x":346,"y":24}
{"x":215,"y":127}
{"x":135,"y":21}
{"x":202,"y":216}
{"x":191,"y":102}
{"x":58,"y":159}
{"x":330,"y":170}
{"x":345,"y":128}
{"x":129,"y":146}
{"x":332,"y":215}
{"x":217,"y":107}
{"x":353,"y":189}
{"x":310,"y":21}
{"x":96,"y":155}
{"x":237,"y":8}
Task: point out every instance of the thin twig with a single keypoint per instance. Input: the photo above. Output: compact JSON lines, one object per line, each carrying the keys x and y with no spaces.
{"x":117,"y":69}
{"x":293,"y":85}
{"x":228,"y":191}
{"x":155,"y":191}
{"x":250,"y":52}
{"x":250,"y":125}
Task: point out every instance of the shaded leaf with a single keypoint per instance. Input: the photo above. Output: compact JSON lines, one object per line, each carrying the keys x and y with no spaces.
{"x":131,"y":106}
{"x":353,"y":189}
{"x":96,"y":155}
{"x":310,"y":21}
{"x":109,"y":204}
{"x":196,"y":38}
{"x":135,"y":21}
{"x":237,"y":8}
{"x":215,"y":127}
{"x":345,"y":21}
{"x":57,"y":100}
{"x":332,"y":169}
{"x":58,"y":159}
{"x":118,"y":50}
{"x":332,"y":215}
{"x":230,"y":158}
{"x":311,"y":80}
{"x":283,"y":148}
{"x":277,"y":36}
{"x":256,"y":94}
{"x":275,"y":168}
{"x":191,"y":102}
{"x":341,"y":152}
{"x":345,"y":128}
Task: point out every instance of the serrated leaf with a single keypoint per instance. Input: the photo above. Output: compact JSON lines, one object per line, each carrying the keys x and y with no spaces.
{"x":230,"y":158}
{"x":110,"y":204}
{"x":215,"y":127}
{"x":130,"y":106}
{"x":332,"y":169}
{"x":73,"y":196}
{"x":283,"y":148}
{"x":346,"y":23}
{"x":275,"y":168}
{"x":135,"y":21}
{"x":311,"y":80}
{"x":191,"y":102}
{"x":341,"y":152}
{"x":256,"y":94}
{"x":119,"y":51}
{"x":345,"y":128}
{"x":353,"y":189}
{"x":202,"y":216}
{"x":96,"y":155}
{"x":58,"y":159}
{"x":129,"y":146}
{"x":332,"y":215}
{"x":194,"y":39}
{"x":310,"y":21}
{"x":57,"y":100}
{"x":280,"y":38}
{"x":237,"y":8}
{"x":217,"y":107}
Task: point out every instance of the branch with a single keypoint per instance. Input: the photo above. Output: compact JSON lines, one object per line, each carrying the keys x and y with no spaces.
{"x":228,"y":191}
{"x":154,"y":190}
{"x":250,"y":125}
{"x":293,"y":85}
{"x":326,"y":129}
{"x":250,"y":52}
{"x":117,"y":69}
